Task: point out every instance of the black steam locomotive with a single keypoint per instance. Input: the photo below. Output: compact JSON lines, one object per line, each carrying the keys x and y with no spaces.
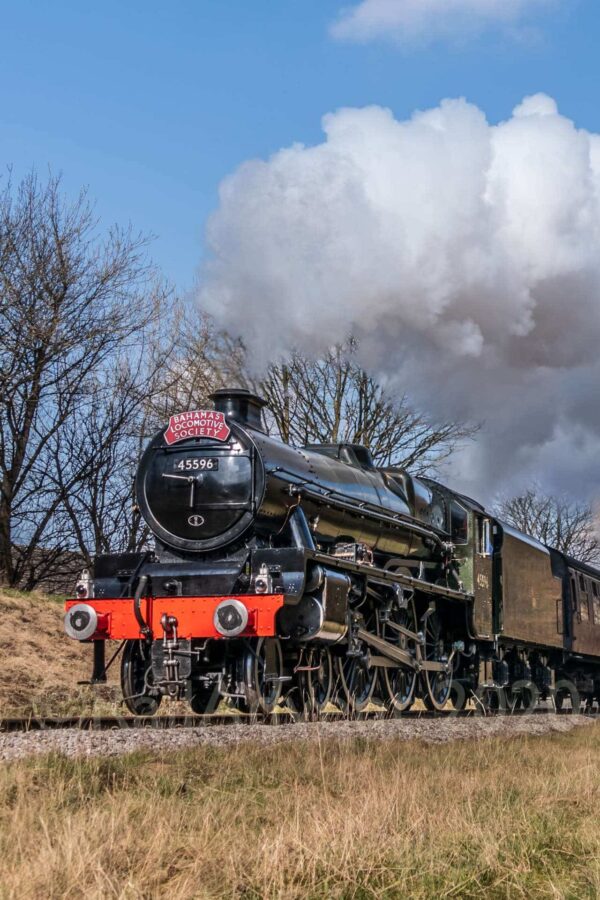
{"x":309,"y":575}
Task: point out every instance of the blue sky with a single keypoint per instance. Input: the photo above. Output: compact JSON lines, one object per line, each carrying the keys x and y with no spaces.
{"x":151,"y":104}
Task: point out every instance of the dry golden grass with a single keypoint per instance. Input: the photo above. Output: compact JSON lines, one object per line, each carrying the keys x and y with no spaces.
{"x":493,"y":819}
{"x":41,"y":665}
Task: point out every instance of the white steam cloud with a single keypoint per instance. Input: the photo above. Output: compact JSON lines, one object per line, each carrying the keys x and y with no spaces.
{"x":464,"y":256}
{"x":406,"y":21}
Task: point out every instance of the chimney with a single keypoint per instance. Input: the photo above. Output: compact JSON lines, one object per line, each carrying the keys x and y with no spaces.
{"x":241,"y":406}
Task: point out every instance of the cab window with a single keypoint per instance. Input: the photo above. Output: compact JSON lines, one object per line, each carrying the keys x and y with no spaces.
{"x":459,"y":523}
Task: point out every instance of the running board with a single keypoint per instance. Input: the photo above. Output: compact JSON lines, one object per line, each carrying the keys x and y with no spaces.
{"x":383,"y":576}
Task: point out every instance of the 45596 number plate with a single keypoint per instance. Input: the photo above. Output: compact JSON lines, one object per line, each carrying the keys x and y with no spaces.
{"x":197,"y":464}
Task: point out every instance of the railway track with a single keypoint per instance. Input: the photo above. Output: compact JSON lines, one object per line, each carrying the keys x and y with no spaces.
{"x":111,"y":723}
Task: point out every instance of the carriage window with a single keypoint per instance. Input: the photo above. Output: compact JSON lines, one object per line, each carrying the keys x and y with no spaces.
{"x":459,"y":523}
{"x":484,"y":537}
{"x":584,"y":611}
{"x":596,"y":602}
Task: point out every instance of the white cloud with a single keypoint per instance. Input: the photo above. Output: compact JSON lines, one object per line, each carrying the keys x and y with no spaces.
{"x":407,"y":21}
{"x":465,"y":256}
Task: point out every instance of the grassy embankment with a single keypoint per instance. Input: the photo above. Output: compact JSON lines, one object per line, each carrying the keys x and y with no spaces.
{"x":357,"y":819}
{"x":40,"y":666}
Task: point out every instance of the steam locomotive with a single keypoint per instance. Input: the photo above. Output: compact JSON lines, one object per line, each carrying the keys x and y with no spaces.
{"x":310,"y":575}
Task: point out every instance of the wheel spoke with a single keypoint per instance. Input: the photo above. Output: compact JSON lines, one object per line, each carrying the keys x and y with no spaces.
{"x":136,"y":680}
{"x":399,"y":683}
{"x":263,"y":669}
{"x":320,"y":681}
{"x":436,"y":685}
{"x":357,"y":682}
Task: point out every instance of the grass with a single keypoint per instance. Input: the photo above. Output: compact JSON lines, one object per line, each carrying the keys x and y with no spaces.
{"x":356,"y":819}
{"x":41,"y":665}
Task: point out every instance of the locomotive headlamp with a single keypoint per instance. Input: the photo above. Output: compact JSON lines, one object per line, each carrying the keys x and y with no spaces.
{"x":230,"y":618}
{"x":81,"y":622}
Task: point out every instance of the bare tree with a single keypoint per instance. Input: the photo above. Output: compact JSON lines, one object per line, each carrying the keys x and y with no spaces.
{"x":177,"y":365}
{"x":72,"y":304}
{"x":204,"y":358}
{"x":554,"y":520}
{"x":98,"y":461}
{"x":332,"y":399}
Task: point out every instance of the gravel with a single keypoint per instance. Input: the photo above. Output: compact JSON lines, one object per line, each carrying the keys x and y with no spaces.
{"x":71,"y":742}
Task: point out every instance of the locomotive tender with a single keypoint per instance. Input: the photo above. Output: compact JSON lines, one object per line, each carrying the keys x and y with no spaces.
{"x":310,"y":575}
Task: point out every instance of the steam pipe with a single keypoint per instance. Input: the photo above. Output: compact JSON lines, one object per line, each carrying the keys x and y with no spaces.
{"x":301,"y":533}
{"x":137,"y":601}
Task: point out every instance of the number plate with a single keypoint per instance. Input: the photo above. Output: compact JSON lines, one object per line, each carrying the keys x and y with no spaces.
{"x":197,"y":464}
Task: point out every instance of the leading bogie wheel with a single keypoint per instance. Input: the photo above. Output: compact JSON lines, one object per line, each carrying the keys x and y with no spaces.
{"x":522,"y":696}
{"x":262,"y":675}
{"x":136,"y":679}
{"x":436,"y":685}
{"x":204,"y":699}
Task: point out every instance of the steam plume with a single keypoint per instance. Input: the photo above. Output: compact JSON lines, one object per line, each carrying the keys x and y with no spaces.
{"x":465,"y":257}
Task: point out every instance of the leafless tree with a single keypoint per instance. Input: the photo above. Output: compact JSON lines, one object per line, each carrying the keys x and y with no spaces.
{"x":98,"y":461}
{"x":554,"y":520}
{"x":205,"y":358}
{"x":73,"y":306}
{"x":332,"y":399}
{"x":178,"y":363}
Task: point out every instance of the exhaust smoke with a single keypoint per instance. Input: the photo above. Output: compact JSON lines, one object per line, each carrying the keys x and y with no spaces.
{"x":464,"y":256}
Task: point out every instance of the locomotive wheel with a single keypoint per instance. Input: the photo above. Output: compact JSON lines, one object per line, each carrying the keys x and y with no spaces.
{"x":459,"y":695}
{"x":436,"y":685}
{"x":399,"y":683}
{"x":318,"y":680}
{"x":567,"y":693}
{"x":357,"y":682}
{"x":295,"y":700}
{"x":493,"y":699}
{"x":136,"y":680}
{"x":204,"y":699}
{"x":262,"y":675}
{"x":313,"y":683}
{"x":523,"y":697}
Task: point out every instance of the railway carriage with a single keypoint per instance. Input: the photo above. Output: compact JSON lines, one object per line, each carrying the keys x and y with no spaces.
{"x":309,"y":575}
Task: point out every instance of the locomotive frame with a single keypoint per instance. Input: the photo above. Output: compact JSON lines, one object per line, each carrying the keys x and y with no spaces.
{"x":310,"y":575}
